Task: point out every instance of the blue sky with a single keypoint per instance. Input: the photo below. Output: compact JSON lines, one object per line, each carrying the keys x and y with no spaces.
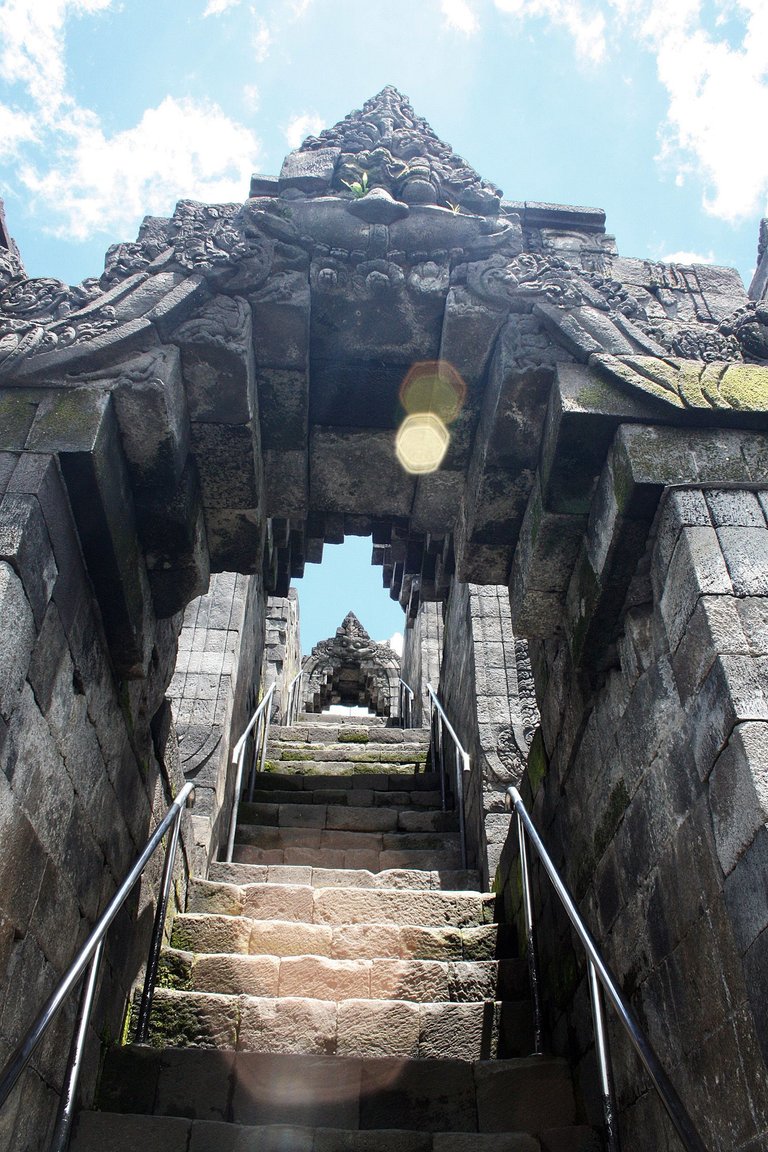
{"x":651,"y":109}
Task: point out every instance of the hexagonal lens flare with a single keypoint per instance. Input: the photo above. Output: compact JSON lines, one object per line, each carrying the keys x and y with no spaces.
{"x":433,"y":386}
{"x":421,"y":443}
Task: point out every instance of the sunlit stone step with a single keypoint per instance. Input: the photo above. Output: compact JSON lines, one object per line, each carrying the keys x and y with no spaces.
{"x":322,"y":978}
{"x":210,"y":932}
{"x":457,"y":880}
{"x":361,"y":1027}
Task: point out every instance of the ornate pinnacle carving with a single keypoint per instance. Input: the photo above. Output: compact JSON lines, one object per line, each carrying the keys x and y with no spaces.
{"x":386,"y":145}
{"x":351,"y":626}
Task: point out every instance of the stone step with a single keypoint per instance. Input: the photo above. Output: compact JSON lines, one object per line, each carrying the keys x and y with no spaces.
{"x":346,"y":817}
{"x":532,"y":1095}
{"x":260,"y":836}
{"x":342,"y":767}
{"x":211,"y":932}
{"x":348,"y":858}
{"x":340,"y":905}
{"x":97,"y":1131}
{"x":311,"y":733}
{"x":379,"y":782}
{"x":322,"y":978}
{"x":357,"y":797}
{"x":411,"y":878}
{"x":349,"y":753}
{"x":360,"y":1027}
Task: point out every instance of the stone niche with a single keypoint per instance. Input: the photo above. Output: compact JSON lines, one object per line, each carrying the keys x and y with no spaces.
{"x":352,"y":670}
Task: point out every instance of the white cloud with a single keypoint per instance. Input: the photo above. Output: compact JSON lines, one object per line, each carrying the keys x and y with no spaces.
{"x":712,"y":64}
{"x":216,"y":7}
{"x":251,"y":97}
{"x":718,"y":96}
{"x":262,"y":42}
{"x":459,"y":14}
{"x":15,"y":128}
{"x":683,"y":257}
{"x":32,"y":52}
{"x":301,"y":126}
{"x":180,"y":149}
{"x":396,"y":643}
{"x":586,"y":23}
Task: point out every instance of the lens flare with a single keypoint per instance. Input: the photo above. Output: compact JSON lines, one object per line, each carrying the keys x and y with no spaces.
{"x":433,"y":386}
{"x":421,"y":443}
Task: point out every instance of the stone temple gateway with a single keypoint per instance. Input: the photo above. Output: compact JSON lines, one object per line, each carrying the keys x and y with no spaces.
{"x":181,"y":435}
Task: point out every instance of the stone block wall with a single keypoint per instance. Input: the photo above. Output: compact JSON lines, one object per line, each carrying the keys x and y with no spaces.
{"x":649,"y":787}
{"x":487,"y":691}
{"x":422,"y":653}
{"x":214,"y":694}
{"x":282,"y":650}
{"x":87,"y":771}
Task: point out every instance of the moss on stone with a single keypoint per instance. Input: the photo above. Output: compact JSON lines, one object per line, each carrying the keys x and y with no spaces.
{"x":174,"y":971}
{"x":353,"y":737}
{"x":538,"y":764}
{"x":174,"y":1023}
{"x":294,"y":754}
{"x":593,"y":395}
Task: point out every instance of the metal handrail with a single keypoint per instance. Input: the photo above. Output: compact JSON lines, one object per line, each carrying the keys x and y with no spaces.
{"x":440,"y":724}
{"x":291,"y":710}
{"x":262,"y":719}
{"x":91,"y":953}
{"x":405,"y":703}
{"x":600,"y":975}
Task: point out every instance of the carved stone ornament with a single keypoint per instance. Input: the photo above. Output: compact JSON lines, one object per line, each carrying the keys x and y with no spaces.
{"x":386,"y":145}
{"x":351,"y":669}
{"x":690,"y":384}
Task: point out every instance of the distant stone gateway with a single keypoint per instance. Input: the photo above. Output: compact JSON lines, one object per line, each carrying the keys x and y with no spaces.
{"x":577,"y":533}
{"x":351,"y":669}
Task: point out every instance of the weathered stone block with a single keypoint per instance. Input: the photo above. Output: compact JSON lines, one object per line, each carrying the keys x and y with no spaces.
{"x":194,"y":1084}
{"x":523,"y":1095}
{"x":310,"y":172}
{"x":217,"y":363}
{"x":745,"y":551}
{"x":738,"y":792}
{"x":426,"y":1096}
{"x":17,"y":638}
{"x":97,"y":1130}
{"x":316,"y":1090}
{"x":24,"y":543}
{"x":324,"y":979}
{"x":746,"y":895}
{"x":291,"y":1024}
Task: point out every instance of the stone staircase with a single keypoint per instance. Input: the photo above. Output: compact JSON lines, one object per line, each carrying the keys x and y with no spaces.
{"x":342,"y":985}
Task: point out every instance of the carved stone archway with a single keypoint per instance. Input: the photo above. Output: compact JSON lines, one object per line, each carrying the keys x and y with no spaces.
{"x":225,"y":398}
{"x":352,"y":670}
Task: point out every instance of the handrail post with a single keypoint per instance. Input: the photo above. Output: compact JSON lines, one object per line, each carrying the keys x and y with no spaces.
{"x":612,"y":1140}
{"x":235,"y":803}
{"x":148,"y":992}
{"x":462,"y":762}
{"x":530,"y":936}
{"x":238,"y":757}
{"x":66,"y":1107}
